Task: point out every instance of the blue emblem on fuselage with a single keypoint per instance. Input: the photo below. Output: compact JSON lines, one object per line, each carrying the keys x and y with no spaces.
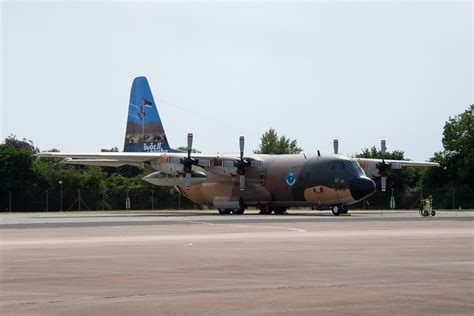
{"x":291,"y":178}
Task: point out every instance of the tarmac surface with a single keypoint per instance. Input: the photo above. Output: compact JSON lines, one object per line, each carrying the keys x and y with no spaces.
{"x":197,"y":262}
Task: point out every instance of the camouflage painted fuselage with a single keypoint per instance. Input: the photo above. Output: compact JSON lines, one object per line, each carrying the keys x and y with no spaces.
{"x":287,"y":181}
{"x":272,"y":182}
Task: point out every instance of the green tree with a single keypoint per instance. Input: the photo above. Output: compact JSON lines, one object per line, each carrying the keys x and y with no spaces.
{"x":14,"y":142}
{"x":126,"y":170}
{"x":377,"y":154}
{"x":19,"y":174}
{"x":111,"y":150}
{"x":271,"y":143}
{"x":16,"y":167}
{"x":458,"y":143}
{"x":185,"y":149}
{"x":454,"y":180}
{"x":30,"y":179}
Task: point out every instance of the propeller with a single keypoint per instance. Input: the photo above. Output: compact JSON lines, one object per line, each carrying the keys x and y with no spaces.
{"x":336,"y":146}
{"x":188,"y":163}
{"x":383,"y":167}
{"x":241,"y":163}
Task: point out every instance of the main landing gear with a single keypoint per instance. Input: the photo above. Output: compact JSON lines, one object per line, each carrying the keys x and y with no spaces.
{"x":265,"y":210}
{"x":339,"y":209}
{"x":235,"y":211}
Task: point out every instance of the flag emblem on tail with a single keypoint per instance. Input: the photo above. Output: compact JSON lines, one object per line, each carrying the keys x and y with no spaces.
{"x":147,"y":103}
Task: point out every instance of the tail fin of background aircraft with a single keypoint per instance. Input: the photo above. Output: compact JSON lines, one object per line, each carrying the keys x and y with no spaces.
{"x":145,"y":131}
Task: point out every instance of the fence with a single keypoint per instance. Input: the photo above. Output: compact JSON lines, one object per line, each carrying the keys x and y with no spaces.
{"x":110,"y":199}
{"x":442,"y":199}
{"x":157,"y":198}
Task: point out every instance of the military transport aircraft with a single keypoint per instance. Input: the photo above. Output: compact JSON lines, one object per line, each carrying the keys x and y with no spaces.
{"x":231,"y":183}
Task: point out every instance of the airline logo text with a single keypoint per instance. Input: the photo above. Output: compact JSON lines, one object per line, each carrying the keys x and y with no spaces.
{"x":153,"y":147}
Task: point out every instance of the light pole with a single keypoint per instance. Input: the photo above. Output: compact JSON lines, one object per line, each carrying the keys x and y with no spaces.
{"x":127,"y":202}
{"x":152,"y":196}
{"x":61,"y":194}
{"x":392,"y":201}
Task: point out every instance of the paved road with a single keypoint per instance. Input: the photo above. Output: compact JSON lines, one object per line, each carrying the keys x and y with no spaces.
{"x":200,"y":263}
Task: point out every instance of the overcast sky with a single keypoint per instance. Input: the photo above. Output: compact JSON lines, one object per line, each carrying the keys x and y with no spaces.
{"x":314,"y":71}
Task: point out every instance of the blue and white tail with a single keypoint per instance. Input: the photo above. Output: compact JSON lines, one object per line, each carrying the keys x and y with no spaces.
{"x":145,"y":132}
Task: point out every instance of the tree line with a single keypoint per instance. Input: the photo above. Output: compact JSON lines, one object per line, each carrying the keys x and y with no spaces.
{"x":28,"y":183}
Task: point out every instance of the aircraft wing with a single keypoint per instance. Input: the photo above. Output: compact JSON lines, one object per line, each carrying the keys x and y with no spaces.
{"x":122,"y":156}
{"x":370,"y":165}
{"x":142,"y":160}
{"x":169,"y":163}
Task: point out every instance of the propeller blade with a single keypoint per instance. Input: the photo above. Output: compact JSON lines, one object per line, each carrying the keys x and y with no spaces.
{"x":383,"y":146}
{"x":383,"y":182}
{"x":190,"y":143}
{"x":241,"y":143}
{"x":187,"y":180}
{"x":336,"y":146}
{"x":242,"y":182}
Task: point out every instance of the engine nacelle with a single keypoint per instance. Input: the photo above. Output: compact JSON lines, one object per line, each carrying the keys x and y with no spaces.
{"x":224,"y":171}
{"x":173,"y":169}
{"x":164,"y":179}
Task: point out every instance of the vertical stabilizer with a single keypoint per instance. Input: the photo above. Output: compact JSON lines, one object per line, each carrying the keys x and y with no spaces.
{"x":145,"y":132}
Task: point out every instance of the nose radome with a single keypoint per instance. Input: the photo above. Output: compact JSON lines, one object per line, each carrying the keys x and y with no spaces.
{"x":361,"y":187}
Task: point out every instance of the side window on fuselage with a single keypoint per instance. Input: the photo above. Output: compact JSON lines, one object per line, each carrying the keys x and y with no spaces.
{"x":261,"y":179}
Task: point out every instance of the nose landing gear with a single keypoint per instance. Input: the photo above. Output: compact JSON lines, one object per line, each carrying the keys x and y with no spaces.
{"x":339,"y":209}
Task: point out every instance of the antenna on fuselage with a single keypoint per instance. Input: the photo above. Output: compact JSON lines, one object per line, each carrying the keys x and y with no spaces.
{"x":319,"y":154}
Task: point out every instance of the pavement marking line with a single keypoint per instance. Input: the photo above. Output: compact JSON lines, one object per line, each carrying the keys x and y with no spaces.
{"x":73,"y":257}
{"x":242,"y":225}
{"x":341,"y":234}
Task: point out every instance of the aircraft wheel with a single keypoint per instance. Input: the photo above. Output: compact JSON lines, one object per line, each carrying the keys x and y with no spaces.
{"x":224,"y":211}
{"x":280,"y":211}
{"x":238,"y":211}
{"x":344,"y":210}
{"x":433,"y":213}
{"x":425,"y":213}
{"x":336,"y":209}
{"x":264,"y":210}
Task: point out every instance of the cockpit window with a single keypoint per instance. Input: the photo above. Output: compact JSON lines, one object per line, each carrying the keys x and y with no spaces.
{"x":354,"y":165}
{"x":338,"y":165}
{"x":350,"y":165}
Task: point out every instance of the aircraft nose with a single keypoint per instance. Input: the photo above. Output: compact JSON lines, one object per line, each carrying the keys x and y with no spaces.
{"x":361,"y":187}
